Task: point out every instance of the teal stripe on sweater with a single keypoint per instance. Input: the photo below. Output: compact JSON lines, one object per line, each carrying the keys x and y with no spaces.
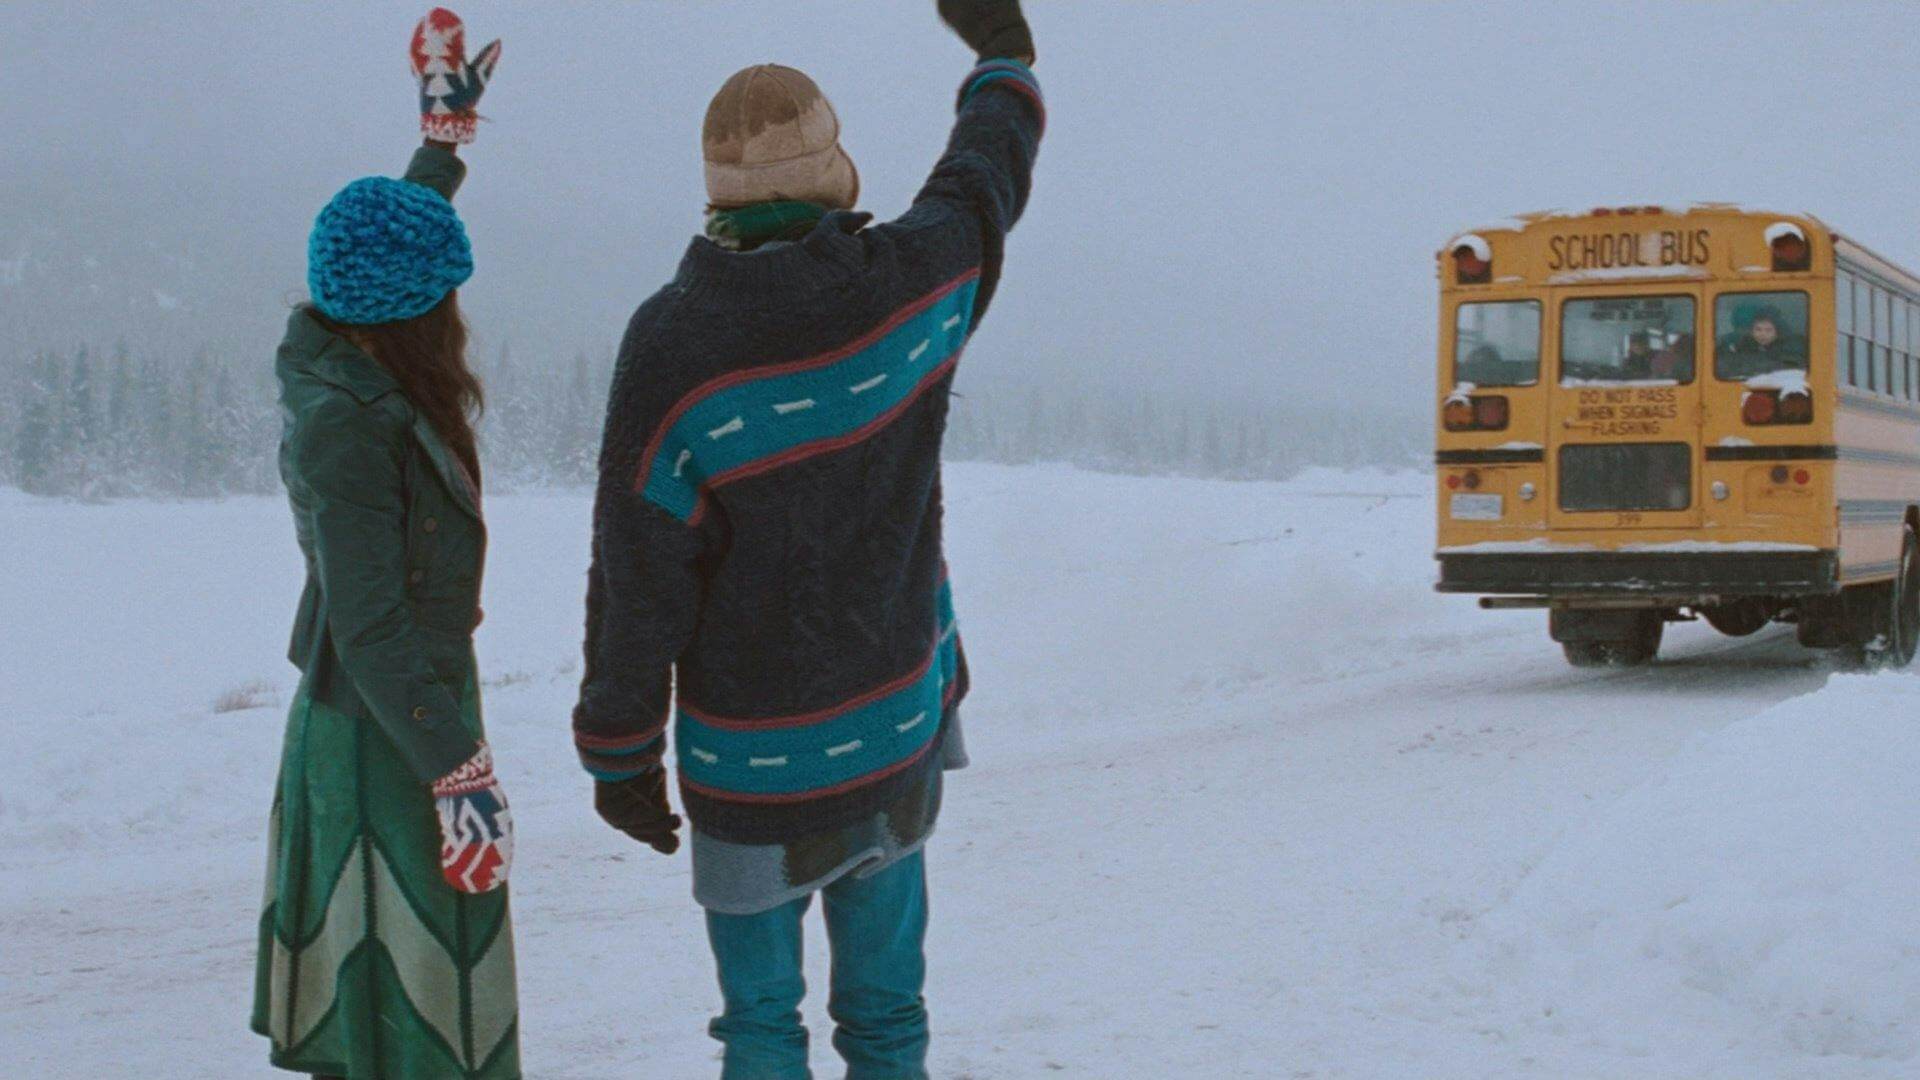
{"x":835,"y":751}
{"x":994,"y":70}
{"x":759,"y":419}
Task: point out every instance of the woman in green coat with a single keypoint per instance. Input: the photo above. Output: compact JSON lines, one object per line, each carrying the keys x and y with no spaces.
{"x":385,"y":946}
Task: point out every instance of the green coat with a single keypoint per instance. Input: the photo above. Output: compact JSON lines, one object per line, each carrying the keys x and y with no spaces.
{"x":391,"y":528}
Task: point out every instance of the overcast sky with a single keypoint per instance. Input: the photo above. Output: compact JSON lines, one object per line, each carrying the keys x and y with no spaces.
{"x":1235,"y":198}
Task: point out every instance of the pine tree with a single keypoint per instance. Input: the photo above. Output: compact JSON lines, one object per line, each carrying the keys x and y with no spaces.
{"x":223,"y":434}
{"x":578,"y":448}
{"x":160,"y":432}
{"x":1213,"y":456}
{"x":1034,"y":442}
{"x":82,"y":420}
{"x":34,"y":449}
{"x":198,"y":467}
{"x":122,"y":437}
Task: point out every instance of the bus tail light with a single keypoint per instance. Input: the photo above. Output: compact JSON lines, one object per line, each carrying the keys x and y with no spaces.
{"x":1763,"y":407}
{"x":1472,"y":261}
{"x":1796,"y":408}
{"x":1791,"y":252}
{"x":1802,"y":477}
{"x":1485,"y":413}
{"x":1471,"y":481}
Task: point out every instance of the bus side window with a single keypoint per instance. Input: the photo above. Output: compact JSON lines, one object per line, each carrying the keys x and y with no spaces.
{"x":1862,"y":311}
{"x":1897,"y":377}
{"x":1912,"y":349}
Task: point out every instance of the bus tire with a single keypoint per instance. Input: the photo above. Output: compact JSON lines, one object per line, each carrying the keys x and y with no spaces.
{"x":1636,"y":651}
{"x":1904,"y":622}
{"x":1739,"y":618}
{"x":1872,"y":638}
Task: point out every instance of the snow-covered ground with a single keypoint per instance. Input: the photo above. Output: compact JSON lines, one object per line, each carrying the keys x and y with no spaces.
{"x":1249,"y":800}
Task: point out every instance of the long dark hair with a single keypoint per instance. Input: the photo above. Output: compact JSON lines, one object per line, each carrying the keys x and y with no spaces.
{"x":427,"y":356}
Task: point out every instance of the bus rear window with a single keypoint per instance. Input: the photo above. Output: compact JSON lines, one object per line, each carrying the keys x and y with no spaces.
{"x":1497,"y":344}
{"x":1627,"y":339}
{"x":1761,"y":333}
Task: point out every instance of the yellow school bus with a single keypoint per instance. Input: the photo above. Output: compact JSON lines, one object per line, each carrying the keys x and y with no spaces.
{"x":1647,"y":415}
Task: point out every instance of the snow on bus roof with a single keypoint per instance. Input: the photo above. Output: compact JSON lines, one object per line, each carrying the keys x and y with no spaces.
{"x":1520,"y":222}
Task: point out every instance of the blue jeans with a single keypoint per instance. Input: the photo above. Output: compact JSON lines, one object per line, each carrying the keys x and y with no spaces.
{"x":876,"y":927}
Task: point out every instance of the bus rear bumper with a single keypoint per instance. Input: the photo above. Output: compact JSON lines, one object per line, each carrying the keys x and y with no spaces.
{"x":1667,"y":574}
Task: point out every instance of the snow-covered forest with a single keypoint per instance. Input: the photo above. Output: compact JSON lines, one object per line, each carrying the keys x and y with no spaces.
{"x":106,"y":423}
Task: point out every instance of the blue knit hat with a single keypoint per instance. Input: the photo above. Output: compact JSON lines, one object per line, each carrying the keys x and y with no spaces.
{"x":385,"y":250}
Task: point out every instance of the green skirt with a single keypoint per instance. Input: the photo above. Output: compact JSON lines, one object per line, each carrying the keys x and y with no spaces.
{"x":371,"y":966}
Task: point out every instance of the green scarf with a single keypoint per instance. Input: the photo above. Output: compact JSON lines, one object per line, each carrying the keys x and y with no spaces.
{"x":748,"y":227}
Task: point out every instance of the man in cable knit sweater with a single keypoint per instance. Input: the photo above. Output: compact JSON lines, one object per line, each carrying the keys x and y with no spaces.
{"x":767,"y":575}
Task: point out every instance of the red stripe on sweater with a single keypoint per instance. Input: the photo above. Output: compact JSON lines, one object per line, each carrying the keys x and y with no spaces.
{"x":602,"y":743}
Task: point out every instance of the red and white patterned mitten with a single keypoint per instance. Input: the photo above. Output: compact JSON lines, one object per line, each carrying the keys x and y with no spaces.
{"x":450,"y":84}
{"x":476,"y":829}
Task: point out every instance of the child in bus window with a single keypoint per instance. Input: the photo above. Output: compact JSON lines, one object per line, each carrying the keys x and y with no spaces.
{"x":1638,"y":363}
{"x":1645,"y":361}
{"x":1484,"y":366}
{"x":1760,"y":344}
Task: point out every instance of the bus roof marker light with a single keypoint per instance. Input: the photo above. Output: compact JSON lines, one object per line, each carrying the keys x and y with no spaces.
{"x":1784,"y":228}
{"x":1472,"y":259}
{"x":1791,"y":252}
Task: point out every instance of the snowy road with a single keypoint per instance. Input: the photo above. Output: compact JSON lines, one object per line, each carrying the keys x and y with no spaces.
{"x":1249,"y":800}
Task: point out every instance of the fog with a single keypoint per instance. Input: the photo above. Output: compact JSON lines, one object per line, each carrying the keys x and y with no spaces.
{"x":1236,"y":200}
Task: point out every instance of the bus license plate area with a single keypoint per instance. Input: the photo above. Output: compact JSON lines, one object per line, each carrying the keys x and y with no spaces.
{"x":1476,"y":507}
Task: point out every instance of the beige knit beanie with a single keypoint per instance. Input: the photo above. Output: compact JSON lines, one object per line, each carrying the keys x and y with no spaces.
{"x":771,"y":136}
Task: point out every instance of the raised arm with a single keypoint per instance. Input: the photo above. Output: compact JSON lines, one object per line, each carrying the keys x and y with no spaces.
{"x":979,"y":186}
{"x":450,"y":87}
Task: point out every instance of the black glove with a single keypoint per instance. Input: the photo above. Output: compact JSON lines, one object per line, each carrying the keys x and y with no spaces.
{"x":639,"y":808}
{"x":994,"y":28}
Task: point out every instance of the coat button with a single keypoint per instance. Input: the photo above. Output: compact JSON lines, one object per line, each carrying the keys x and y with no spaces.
{"x":420,"y":712}
{"x":431,"y":525}
{"x":416,"y":576}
